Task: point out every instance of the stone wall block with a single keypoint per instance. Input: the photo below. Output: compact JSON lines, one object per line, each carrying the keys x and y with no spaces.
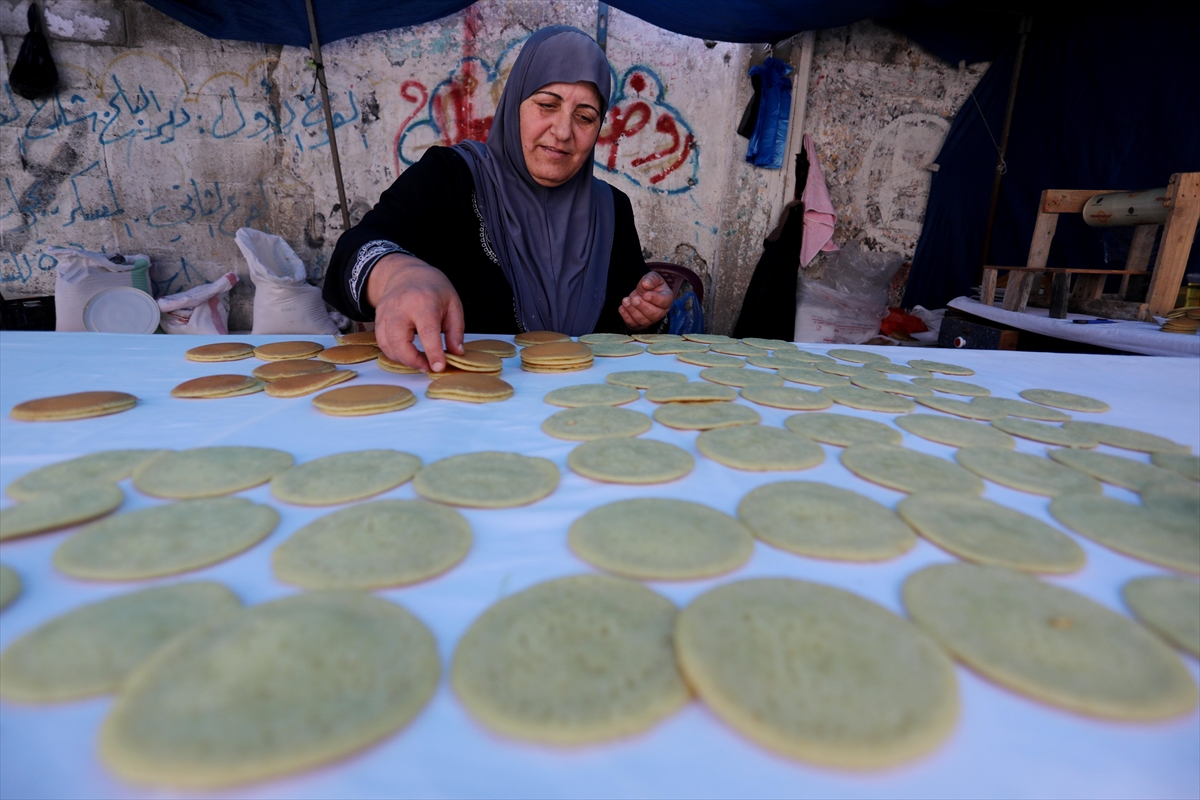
{"x":90,"y":21}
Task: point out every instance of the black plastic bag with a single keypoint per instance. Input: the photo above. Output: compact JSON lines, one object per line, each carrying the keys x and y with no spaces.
{"x":34,"y":75}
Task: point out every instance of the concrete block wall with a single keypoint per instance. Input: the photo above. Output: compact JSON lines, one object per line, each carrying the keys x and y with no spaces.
{"x":163,"y":141}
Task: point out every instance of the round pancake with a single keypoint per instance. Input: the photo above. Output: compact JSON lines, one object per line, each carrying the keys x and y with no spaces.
{"x":644,"y":378}
{"x":979,"y":530}
{"x":939,"y":366}
{"x":705,"y":416}
{"x":649,"y":338}
{"x":592,"y":394}
{"x":300,"y":385}
{"x":803,"y":357}
{"x":811,"y":377}
{"x":388,"y":365}
{"x":868,"y":399}
{"x":843,"y":370}
{"x":630,"y":461}
{"x":450,"y":370}
{"x":349,"y":354}
{"x":768,"y":344}
{"x":1168,"y":606}
{"x":617,"y":349}
{"x":555,"y":369}
{"x":817,"y":673}
{"x":668,"y":348}
{"x":1049,"y":643}
{"x":908,"y":470}
{"x":1174,"y":499}
{"x":344,"y":477}
{"x":735,"y":349}
{"x":282,"y":351}
{"x":858,"y":356}
{"x":59,"y":509}
{"x":1184,"y":464}
{"x":361,"y":337}
{"x":653,"y":538}
{"x":595,"y":422}
{"x":487,"y":480}
{"x":1026,"y":472}
{"x":10,"y":586}
{"x":92,"y":649}
{"x":710,"y":360}
{"x":106,"y":466}
{"x":740,"y":376}
{"x":214,"y":386}
{"x":560,"y":354}
{"x":961,"y":409}
{"x":786,"y":397}
{"x":605,"y":338}
{"x":690,"y":392}
{"x":955,"y":432}
{"x":475,"y":361}
{"x":220,"y":351}
{"x":842,"y":429}
{"x":277,"y":370}
{"x":898,"y":369}
{"x":708,"y":338}
{"x":528,"y":338}
{"x":363,"y":399}
{"x":1126,"y":438}
{"x":209,"y":471}
{"x":768,"y":362}
{"x":879,"y":383}
{"x":1132,"y":529}
{"x":1006,"y":407}
{"x":1067,"y":400}
{"x":496,"y":347}
{"x":79,"y":405}
{"x":1117,"y":470}
{"x":470,"y":387}
{"x":165,"y":540}
{"x":374,"y":545}
{"x":270,"y":690}
{"x":1041,"y":432}
{"x":823,"y":521}
{"x":760,"y":449}
{"x":571,"y":661}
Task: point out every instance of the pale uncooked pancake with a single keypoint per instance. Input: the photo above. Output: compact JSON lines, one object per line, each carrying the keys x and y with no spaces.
{"x":690,"y":392}
{"x":572,"y":661}
{"x":1127,"y":438}
{"x":350,"y":354}
{"x":1067,"y":400}
{"x":961,"y":388}
{"x":823,"y":521}
{"x":1007,"y":407}
{"x":817,"y":673}
{"x":592,"y":394}
{"x":1026,"y":472}
{"x":301,"y":385}
{"x":91,"y":650}
{"x":276,"y":370}
{"x":908,"y":470}
{"x":648,"y":338}
{"x":740,"y":376}
{"x":60,"y":509}
{"x":760,"y":449}
{"x":344,"y":477}
{"x":1175,"y":500}
{"x":955,"y":432}
{"x":670,"y":348}
{"x":373,"y":546}
{"x":810,"y":376}
{"x":644,"y":378}
{"x":282,"y":351}
{"x":710,"y":360}
{"x":616,"y":349}
{"x":858,"y":356}
{"x":1184,"y":464}
{"x":842,"y":429}
{"x":1041,"y":432}
{"x":630,"y":461}
{"x":496,"y":347}
{"x":786,"y":397}
{"x":803,"y":357}
{"x":605,"y":338}
{"x":988,"y":533}
{"x":270,"y":690}
{"x":879,"y":383}
{"x":735,"y":349}
{"x":361,"y":337}
{"x":844,"y":370}
{"x":10,"y":586}
{"x":487,"y":480}
{"x":1170,"y":606}
{"x":708,"y":338}
{"x":166,"y":539}
{"x":79,"y":405}
{"x":1117,"y":470}
{"x":213,"y":386}
{"x":705,"y":416}
{"x":364,"y":399}
{"x":1049,"y":643}
{"x":596,"y":422}
{"x":1132,"y":529}
{"x":470,"y":387}
{"x":475,"y":361}
{"x":530,"y":338}
{"x":939,"y":366}
{"x":868,"y":399}
{"x":653,"y":538}
{"x":768,"y":362}
{"x":388,"y":365}
{"x":769,"y":344}
{"x":106,"y":466}
{"x":220,"y":351}
{"x":899,"y":369}
{"x":961,"y":409}
{"x":209,"y":471}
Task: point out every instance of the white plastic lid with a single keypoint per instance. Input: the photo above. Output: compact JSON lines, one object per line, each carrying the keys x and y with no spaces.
{"x":121,"y":310}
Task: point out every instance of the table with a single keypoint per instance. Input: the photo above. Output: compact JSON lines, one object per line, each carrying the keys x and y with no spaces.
{"x":1004,"y":745}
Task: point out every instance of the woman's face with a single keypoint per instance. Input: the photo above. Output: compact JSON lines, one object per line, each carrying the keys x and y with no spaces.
{"x":559,"y":126}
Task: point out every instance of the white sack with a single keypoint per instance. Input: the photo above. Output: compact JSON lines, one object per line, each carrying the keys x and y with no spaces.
{"x":202,"y":309}
{"x":82,"y":274}
{"x":284,"y":302}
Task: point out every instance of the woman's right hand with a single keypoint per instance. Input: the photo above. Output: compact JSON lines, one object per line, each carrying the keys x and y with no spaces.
{"x":411,"y":299}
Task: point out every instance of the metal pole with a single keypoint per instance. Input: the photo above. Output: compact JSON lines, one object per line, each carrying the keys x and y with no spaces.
{"x":315,"y":46}
{"x":602,"y":26}
{"x":1026,"y":26}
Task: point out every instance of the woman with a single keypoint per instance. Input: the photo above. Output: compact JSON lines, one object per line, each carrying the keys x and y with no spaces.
{"x":515,"y":234}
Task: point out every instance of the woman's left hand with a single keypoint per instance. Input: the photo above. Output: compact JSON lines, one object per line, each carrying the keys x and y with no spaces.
{"x":648,"y":303}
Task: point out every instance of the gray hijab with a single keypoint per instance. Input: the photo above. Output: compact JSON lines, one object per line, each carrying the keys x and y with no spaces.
{"x":553,"y":244}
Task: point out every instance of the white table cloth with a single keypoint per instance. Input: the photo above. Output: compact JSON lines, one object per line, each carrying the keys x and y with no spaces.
{"x":1003,"y":746}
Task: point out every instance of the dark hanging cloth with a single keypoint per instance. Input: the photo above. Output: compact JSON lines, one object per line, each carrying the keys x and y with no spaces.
{"x":34,"y":74}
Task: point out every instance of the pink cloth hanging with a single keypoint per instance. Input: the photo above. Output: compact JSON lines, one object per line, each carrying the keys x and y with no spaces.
{"x":819,"y":216}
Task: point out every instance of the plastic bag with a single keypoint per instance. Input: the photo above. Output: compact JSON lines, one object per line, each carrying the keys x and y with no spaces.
{"x":847,"y":304}
{"x":768,"y":143}
{"x":202,"y":309}
{"x":686,"y":315}
{"x":34,"y":74}
{"x":284,"y":302}
{"x":82,"y":274}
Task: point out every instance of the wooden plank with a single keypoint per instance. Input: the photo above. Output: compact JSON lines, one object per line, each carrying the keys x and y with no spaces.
{"x":1139,"y":252}
{"x":1069,"y":201}
{"x":1178,"y":232}
{"x":1016,"y":298}
{"x":1111,"y":309}
{"x":987,"y":291}
{"x":1058,"y":295}
{"x":1087,"y":287}
{"x":1053,"y":270}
